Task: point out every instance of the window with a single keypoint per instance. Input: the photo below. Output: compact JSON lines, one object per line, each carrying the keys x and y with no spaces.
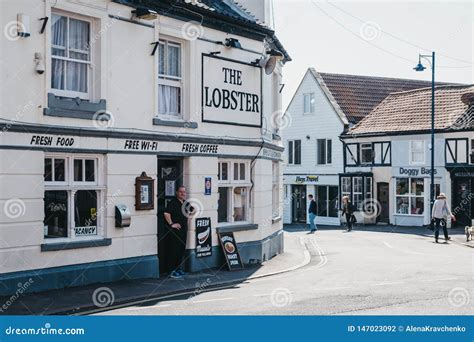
{"x":308,"y":103}
{"x":358,"y":189}
{"x":275,"y":189}
{"x":71,"y":56}
{"x":294,"y":152}
{"x":326,"y":200}
{"x":472,"y":151}
{"x":234,"y":186}
{"x":366,"y":154}
{"x":324,"y":151}
{"x":169,"y":79}
{"x":382,"y":153}
{"x":72,"y":197}
{"x":417,"y":152}
{"x":409,"y":196}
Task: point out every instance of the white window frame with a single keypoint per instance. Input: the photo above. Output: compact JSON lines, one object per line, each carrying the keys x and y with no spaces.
{"x":312,"y":107}
{"x":361,"y":192}
{"x":422,"y":151}
{"x":90,"y":65}
{"x":72,"y":187}
{"x":170,"y":80}
{"x":410,"y":195}
{"x":326,"y":152}
{"x":366,"y":146}
{"x":231,"y":185}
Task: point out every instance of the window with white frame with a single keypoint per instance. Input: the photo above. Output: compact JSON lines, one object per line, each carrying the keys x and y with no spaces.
{"x":358,"y":189}
{"x":409,"y":196}
{"x":71,"y":56}
{"x":357,"y":192}
{"x":276,"y":189}
{"x":417,"y":152}
{"x":234,"y":187}
{"x":294,"y":152}
{"x":170,"y":79}
{"x":324,"y":151}
{"x":73,"y":196}
{"x":308,"y":103}
{"x":366,"y":154}
{"x":346,"y":186}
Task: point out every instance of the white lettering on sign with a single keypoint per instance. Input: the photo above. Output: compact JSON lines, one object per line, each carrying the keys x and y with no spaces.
{"x":85,"y":231}
{"x":45,"y":140}
{"x":231,"y":92}
{"x":140,"y":145}
{"x":200,"y":148}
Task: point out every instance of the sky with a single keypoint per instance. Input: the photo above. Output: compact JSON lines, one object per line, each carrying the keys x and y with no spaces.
{"x":377,"y":38}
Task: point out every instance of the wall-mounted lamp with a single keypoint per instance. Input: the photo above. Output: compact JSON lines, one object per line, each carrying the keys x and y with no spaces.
{"x":275,"y":53}
{"x":266,"y":62}
{"x":39,"y":62}
{"x":232,"y":43}
{"x":144,"y":13}
{"x":308,"y":137}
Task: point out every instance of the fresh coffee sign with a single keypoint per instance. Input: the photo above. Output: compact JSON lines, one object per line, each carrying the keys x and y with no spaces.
{"x":203,"y":237}
{"x":231,"y":92}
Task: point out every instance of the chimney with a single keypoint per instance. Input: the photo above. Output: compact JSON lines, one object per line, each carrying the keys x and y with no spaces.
{"x":262,"y":10}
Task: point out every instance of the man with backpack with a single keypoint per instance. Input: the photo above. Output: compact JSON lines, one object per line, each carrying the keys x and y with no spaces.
{"x":440,"y":214}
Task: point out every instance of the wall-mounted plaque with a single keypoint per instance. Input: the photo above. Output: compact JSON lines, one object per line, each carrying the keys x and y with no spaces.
{"x":144,"y":192}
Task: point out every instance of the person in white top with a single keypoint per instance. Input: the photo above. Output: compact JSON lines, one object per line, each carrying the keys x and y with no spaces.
{"x":440,"y":214}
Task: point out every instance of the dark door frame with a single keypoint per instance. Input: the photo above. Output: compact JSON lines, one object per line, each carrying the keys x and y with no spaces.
{"x":386,"y":207}
{"x":295,"y":217}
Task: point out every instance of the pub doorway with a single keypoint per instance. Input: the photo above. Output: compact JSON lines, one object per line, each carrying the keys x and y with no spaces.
{"x":170,"y":176}
{"x":463,"y":201}
{"x":299,"y":203}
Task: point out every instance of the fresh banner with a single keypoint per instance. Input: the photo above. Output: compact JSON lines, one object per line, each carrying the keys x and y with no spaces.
{"x":203,"y":237}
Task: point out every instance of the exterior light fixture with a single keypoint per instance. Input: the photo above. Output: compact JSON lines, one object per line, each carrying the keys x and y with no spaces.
{"x":232,"y":43}
{"x":419,"y":66}
{"x":145,"y":13}
{"x":275,"y":53}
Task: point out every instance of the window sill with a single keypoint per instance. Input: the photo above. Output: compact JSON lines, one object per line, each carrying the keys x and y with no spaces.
{"x":276,"y":219}
{"x":174,"y":123}
{"x":75,"y":108}
{"x":58,"y":246}
{"x":237,"y":227}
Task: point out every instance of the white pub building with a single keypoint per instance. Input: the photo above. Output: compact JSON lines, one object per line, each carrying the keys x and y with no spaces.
{"x":107,"y":107}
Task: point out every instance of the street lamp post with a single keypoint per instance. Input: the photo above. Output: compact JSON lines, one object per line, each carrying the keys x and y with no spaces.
{"x":420,"y":67}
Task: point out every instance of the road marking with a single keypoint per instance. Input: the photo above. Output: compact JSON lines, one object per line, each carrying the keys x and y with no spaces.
{"x":388,"y":283}
{"x":333,"y":288}
{"x":148,"y":307}
{"x":402,"y":250}
{"x":442,"y":279}
{"x":211,"y":300}
{"x":323,"y":258}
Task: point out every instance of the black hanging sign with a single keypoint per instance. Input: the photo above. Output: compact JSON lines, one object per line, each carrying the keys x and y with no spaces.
{"x":203,"y":237}
{"x":231,"y":252}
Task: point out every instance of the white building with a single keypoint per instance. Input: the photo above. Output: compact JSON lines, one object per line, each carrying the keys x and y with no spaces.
{"x":108,"y":105}
{"x":322,"y":108}
{"x":390,"y":148}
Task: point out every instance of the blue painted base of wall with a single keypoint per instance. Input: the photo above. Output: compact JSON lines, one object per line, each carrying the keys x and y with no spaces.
{"x":79,"y":275}
{"x":253,"y":252}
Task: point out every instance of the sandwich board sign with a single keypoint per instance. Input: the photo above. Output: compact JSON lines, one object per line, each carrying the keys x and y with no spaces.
{"x":231,"y":251}
{"x":203,"y":237}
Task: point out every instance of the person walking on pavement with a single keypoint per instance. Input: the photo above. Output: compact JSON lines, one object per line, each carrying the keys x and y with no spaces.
{"x":348,"y":211}
{"x":312,"y":214}
{"x":440,"y":214}
{"x":176,"y":216}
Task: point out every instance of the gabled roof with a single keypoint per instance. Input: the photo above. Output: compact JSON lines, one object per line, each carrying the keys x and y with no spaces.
{"x":356,"y":95}
{"x":410,"y":111}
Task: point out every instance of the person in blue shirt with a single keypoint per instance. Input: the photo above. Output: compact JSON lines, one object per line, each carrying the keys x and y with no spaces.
{"x":312,"y":214}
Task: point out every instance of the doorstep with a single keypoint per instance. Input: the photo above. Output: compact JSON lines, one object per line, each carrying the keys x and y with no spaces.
{"x":100,"y":297}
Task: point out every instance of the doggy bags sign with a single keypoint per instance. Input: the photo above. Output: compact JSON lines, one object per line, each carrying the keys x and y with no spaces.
{"x":231,"y":92}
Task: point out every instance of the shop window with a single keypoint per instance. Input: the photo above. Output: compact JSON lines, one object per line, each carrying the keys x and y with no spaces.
{"x":472,"y":151}
{"x":275,"y":189}
{"x":72,"y":197}
{"x":417,"y":152}
{"x":70,"y":56}
{"x":169,"y":79}
{"x":294,"y":152}
{"x":358,"y":189}
{"x":324,"y":151}
{"x":308,"y":103}
{"x":346,"y":186}
{"x":409,"y":196}
{"x":326,"y":201}
{"x":233,"y":202}
{"x":223,"y":174}
{"x":366,"y":154}
{"x":368,"y":194}
{"x":357,"y":192}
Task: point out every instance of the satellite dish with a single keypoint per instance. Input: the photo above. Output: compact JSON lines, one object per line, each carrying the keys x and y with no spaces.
{"x":270,"y":65}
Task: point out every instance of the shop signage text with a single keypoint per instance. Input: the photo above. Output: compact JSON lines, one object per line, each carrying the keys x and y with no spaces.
{"x":231,"y":252}
{"x":85,"y":231}
{"x":200,"y":148}
{"x":300,"y":179}
{"x":203,"y":237}
{"x":140,"y":145}
{"x":271,"y":153}
{"x":48,"y":140}
{"x":416,"y":172}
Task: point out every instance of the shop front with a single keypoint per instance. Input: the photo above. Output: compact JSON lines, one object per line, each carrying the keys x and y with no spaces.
{"x":462,"y":189}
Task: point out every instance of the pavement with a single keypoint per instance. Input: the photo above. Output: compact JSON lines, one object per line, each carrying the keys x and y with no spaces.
{"x":96,"y":297}
{"x":369,"y":271}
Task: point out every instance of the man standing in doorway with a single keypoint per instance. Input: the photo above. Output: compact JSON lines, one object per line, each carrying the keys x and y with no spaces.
{"x":176,"y":215}
{"x":312,"y":214}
